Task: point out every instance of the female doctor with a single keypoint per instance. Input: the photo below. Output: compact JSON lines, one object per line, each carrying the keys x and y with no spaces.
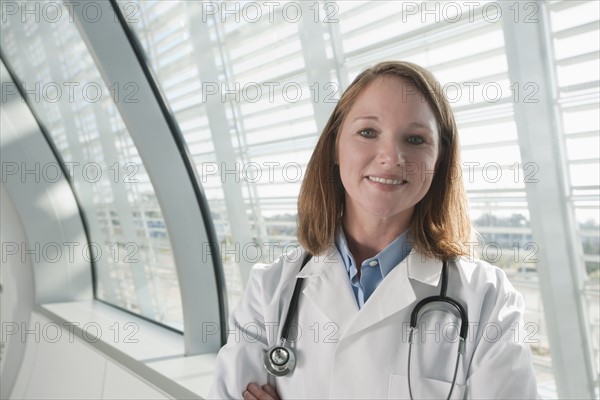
{"x":383,"y":214}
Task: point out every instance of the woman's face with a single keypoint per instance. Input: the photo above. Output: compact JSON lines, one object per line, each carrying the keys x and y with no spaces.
{"x":387,"y":150}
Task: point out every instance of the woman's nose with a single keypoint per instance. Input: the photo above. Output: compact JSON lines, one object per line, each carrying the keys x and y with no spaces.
{"x":390,"y":153}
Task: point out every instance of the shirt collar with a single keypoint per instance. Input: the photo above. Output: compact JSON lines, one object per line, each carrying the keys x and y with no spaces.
{"x":387,"y":258}
{"x":393,"y":254}
{"x":342,"y":246}
{"x":420,"y":267}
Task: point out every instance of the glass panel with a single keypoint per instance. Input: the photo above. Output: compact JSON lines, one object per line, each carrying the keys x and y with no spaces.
{"x":575,"y":26}
{"x":261,"y":127}
{"x":134,"y":262}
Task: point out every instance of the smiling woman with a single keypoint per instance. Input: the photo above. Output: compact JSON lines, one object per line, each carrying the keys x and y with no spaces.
{"x":405,"y":109}
{"x":383,"y":225}
{"x":387,"y":141}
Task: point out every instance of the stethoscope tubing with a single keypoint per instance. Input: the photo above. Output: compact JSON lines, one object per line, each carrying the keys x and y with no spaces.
{"x":442,"y":297}
{"x":464,"y":326}
{"x":294,"y":302}
{"x":279,"y":369}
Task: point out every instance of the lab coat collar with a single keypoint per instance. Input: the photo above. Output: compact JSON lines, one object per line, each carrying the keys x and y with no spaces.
{"x":318,"y":264}
{"x":329,"y":288}
{"x":424,"y":269}
{"x":420,"y":267}
{"x":395,"y":293}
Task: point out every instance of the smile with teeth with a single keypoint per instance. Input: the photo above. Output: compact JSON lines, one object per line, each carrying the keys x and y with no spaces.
{"x":386,"y":181}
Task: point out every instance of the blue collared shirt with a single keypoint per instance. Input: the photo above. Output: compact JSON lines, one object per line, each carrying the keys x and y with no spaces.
{"x":373,"y":269}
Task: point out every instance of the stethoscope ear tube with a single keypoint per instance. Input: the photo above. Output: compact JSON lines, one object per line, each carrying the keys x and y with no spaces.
{"x":464,"y":326}
{"x":294,"y":302}
{"x":464,"y":319}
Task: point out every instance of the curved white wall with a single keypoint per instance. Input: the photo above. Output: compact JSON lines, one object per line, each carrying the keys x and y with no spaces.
{"x":17,"y":295}
{"x":46,"y":207}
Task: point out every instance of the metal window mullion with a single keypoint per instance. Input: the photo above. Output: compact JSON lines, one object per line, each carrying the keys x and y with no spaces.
{"x":552,"y":219}
{"x":316,"y":63}
{"x":241,"y":131}
{"x":339,"y":58}
{"x":225,"y":153}
{"x":577,"y":30}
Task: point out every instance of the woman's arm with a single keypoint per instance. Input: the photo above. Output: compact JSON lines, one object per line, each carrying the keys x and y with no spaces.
{"x":501,"y":367}
{"x":241,"y":360}
{"x":253,"y":327}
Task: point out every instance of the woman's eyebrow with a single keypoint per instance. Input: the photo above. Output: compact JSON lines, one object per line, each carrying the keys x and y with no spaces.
{"x":412,"y":125}
{"x":372,"y":117}
{"x":419,"y":125}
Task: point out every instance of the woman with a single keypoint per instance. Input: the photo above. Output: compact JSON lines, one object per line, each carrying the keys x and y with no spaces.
{"x":381,"y":207}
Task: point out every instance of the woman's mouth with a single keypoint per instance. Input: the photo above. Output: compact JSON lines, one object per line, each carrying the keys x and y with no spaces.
{"x":386,"y":181}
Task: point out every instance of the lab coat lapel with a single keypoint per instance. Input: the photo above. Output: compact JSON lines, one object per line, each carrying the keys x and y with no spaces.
{"x":395,"y":292}
{"x":329,"y":289}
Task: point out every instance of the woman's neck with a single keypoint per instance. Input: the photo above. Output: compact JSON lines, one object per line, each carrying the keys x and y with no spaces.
{"x":366,"y":238}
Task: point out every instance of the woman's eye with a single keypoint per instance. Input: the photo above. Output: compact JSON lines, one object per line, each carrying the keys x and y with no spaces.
{"x":367,"y":133}
{"x":415,"y":140}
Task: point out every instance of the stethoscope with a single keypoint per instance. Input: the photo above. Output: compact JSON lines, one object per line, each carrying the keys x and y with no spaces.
{"x":281,"y":360}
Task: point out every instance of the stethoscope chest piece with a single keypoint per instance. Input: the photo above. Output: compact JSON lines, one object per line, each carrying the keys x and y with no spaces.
{"x":280,"y":360}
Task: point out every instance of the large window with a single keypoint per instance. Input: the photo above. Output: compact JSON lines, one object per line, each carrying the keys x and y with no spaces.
{"x":576,"y":40}
{"x":241,"y":96}
{"x":129,"y":242}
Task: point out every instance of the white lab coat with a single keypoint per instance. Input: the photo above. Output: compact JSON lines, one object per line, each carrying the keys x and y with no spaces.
{"x":343,"y":352}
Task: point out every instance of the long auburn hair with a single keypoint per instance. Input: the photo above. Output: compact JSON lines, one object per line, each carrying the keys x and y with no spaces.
{"x":440,"y":224}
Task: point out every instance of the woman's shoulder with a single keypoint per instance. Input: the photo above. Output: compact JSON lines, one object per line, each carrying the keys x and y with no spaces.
{"x":480,"y":275}
{"x":271,"y":277}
